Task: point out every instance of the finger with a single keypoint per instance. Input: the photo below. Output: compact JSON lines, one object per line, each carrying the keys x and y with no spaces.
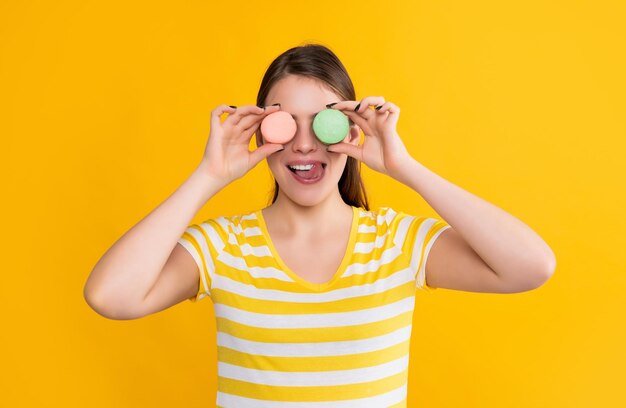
{"x":254,"y":122}
{"x":393,"y":110}
{"x":343,"y":105}
{"x":217,"y":112}
{"x":244,"y":111}
{"x":382,"y":112}
{"x":367,"y":102}
{"x":246,"y":135}
{"x":384,"y":108}
{"x":346,"y":148}
{"x":254,"y":119}
{"x":358,"y":119}
{"x":388,"y":107}
{"x":360,"y":107}
{"x":263,"y":151}
{"x":348,"y":108}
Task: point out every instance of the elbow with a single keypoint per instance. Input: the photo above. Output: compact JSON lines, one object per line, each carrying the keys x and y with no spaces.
{"x":549,"y":265}
{"x":109,"y":303}
{"x":108,"y":309}
{"x":544,"y":271}
{"x":530,"y":277}
{"x":97,"y":304}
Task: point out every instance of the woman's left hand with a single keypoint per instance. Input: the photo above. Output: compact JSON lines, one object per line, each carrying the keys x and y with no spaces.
{"x":382,"y":149}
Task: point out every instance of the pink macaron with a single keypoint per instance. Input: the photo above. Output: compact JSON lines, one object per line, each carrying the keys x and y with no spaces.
{"x":278,"y":127}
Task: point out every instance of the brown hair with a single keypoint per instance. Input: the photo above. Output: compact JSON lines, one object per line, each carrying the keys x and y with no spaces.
{"x":319,"y":62}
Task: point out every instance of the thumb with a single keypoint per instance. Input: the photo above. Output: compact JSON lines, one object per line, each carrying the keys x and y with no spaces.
{"x":263,"y":151}
{"x":345,"y":148}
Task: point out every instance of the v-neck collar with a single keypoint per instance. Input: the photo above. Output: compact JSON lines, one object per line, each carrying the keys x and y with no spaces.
{"x":342,"y":267}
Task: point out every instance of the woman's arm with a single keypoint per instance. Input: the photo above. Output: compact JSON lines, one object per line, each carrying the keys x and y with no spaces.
{"x":487,"y":249}
{"x":515,"y":253}
{"x":121,"y":279}
{"x":124,"y":276}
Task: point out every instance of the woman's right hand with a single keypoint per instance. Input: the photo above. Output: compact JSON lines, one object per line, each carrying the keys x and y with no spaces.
{"x":226,"y":156}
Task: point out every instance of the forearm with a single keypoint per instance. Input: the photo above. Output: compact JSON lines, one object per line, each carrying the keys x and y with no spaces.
{"x":510,"y":247}
{"x":127,"y":271}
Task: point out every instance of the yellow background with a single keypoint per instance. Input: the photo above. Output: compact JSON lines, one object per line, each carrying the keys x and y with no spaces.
{"x":105,"y":111}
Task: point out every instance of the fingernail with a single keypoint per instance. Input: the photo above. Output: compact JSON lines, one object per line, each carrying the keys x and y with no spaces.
{"x":357,"y":107}
{"x":378,"y":107}
{"x":276,"y":104}
{"x":232,"y":106}
{"x":330,"y":105}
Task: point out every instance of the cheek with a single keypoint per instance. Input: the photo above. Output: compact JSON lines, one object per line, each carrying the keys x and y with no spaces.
{"x":339,"y":164}
{"x":274,"y":165}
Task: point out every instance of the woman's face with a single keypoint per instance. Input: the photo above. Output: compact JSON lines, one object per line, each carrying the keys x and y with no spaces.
{"x":303,"y":98}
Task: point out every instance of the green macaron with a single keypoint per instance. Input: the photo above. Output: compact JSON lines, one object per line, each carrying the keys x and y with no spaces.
{"x":331,"y":126}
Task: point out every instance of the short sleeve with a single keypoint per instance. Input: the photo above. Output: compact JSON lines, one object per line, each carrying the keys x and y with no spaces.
{"x":198,"y":240}
{"x":421,"y":235}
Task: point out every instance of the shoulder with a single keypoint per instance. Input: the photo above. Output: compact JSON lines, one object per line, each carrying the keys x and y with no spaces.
{"x":398,"y":218}
{"x":224,"y":231}
{"x":233,"y":223}
{"x":385,"y":221}
{"x":387,"y":217}
{"x":221,"y":229}
{"x":404,"y":226}
{"x":382,"y":215}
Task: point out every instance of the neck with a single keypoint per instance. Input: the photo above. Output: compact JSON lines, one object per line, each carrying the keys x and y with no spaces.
{"x":294,"y":218}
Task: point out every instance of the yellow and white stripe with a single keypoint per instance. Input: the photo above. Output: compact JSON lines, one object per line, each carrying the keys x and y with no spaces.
{"x":285,"y":342}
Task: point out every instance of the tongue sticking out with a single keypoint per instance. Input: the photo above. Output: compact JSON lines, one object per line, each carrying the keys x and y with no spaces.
{"x":315,"y":172}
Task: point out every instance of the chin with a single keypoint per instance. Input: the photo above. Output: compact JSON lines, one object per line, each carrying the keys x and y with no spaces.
{"x":308,"y":196}
{"x":308,"y":200}
{"x":304,"y":198}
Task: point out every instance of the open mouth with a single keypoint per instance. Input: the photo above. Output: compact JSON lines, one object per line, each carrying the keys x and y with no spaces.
{"x":308,"y":173}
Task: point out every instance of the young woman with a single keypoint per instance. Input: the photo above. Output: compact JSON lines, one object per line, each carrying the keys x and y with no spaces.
{"x":313,"y":294}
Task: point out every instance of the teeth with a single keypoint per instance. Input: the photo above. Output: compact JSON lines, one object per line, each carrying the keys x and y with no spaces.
{"x":302,"y":167}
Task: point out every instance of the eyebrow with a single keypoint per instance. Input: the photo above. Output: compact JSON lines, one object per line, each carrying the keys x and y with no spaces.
{"x":311,"y":116}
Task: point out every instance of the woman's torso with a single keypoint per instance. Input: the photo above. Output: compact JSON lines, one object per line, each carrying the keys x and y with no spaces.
{"x":317,"y":258}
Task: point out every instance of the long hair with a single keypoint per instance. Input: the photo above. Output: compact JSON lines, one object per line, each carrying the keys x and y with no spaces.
{"x":319,"y":62}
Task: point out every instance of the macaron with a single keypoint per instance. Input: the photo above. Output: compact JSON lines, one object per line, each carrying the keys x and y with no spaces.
{"x":278,"y":127}
{"x":331,"y":126}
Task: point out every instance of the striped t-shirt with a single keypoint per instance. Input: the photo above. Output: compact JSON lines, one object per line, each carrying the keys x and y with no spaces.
{"x":285,"y":342}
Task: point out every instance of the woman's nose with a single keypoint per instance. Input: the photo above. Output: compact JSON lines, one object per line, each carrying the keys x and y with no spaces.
{"x":305,"y":140}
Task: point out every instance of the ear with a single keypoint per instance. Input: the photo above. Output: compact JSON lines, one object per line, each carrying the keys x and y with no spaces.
{"x":354,"y":135}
